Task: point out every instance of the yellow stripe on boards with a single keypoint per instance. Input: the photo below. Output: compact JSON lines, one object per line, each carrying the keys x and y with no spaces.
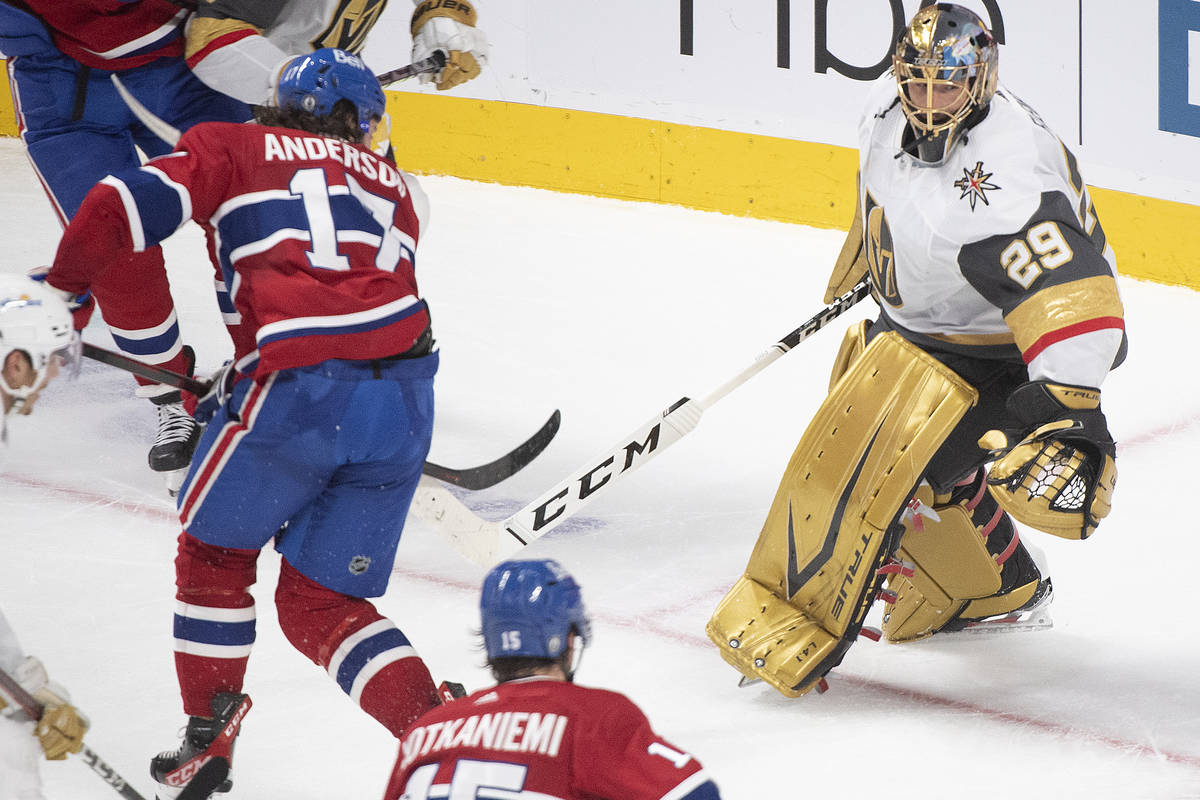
{"x":1156,"y":240}
{"x":704,"y":168}
{"x":624,"y":157}
{"x":715,"y":170}
{"x":8,"y":116}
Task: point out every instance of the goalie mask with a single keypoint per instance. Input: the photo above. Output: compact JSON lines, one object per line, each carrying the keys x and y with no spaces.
{"x":945,"y":68}
{"x":35,"y":329}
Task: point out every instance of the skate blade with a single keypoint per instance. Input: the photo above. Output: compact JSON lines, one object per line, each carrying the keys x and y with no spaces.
{"x":174,"y":480}
{"x":1036,"y":619}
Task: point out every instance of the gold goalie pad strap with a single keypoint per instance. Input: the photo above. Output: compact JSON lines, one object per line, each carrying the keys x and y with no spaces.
{"x":953,"y":565}
{"x":854,"y":468}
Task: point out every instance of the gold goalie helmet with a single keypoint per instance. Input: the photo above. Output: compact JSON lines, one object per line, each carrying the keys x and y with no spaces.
{"x":945,"y":68}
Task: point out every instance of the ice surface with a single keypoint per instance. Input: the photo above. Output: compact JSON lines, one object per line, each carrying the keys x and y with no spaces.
{"x":611,"y":311}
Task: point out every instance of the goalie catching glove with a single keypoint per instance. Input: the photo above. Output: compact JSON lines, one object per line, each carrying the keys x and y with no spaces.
{"x":1058,"y":471}
{"x":449,"y":26}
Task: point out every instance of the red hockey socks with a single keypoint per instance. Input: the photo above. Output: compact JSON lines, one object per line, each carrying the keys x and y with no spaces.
{"x":214,"y":620}
{"x":362,"y":650}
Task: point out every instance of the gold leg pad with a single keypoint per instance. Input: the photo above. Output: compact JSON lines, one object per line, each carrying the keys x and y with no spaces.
{"x":761,"y":636}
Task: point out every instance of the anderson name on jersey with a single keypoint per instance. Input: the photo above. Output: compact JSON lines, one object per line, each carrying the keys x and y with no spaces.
{"x":542,"y":738}
{"x":996,"y":253}
{"x":315,"y":238}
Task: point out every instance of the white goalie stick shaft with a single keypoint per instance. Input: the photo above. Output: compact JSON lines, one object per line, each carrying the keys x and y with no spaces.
{"x":485,"y":542}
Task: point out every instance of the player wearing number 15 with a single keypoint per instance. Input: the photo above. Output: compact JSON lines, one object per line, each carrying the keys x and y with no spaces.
{"x":538,"y":734}
{"x":999,"y":319}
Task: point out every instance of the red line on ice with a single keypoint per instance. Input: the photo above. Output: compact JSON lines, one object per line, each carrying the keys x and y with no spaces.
{"x":652,"y":622}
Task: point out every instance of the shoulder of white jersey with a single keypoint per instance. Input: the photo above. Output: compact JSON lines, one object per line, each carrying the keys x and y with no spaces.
{"x":1015,"y":160}
{"x":881,"y":96}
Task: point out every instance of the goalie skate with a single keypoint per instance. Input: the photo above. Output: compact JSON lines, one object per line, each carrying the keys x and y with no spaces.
{"x":1033,"y":616}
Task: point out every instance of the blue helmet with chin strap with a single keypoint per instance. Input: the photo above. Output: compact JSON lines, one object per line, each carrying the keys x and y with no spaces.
{"x":315,"y":82}
{"x":528,"y":608}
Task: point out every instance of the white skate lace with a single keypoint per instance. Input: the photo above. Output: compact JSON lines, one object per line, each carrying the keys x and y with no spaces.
{"x":174,"y":424}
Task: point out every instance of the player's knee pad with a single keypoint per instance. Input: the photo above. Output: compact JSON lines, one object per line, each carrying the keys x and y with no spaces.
{"x":316,"y":619}
{"x":362,"y":650}
{"x":968,"y":559}
{"x":203,"y":569}
{"x":812,"y":574}
{"x":853,"y":343}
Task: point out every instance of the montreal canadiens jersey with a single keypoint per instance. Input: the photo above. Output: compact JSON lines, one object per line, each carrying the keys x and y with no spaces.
{"x":995,"y":253}
{"x":111,"y":34}
{"x":239,"y":46}
{"x":542,"y":739}
{"x":315,"y":237}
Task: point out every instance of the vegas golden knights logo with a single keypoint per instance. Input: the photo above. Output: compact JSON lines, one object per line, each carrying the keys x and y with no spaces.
{"x":880,"y":254}
{"x":349,"y":24}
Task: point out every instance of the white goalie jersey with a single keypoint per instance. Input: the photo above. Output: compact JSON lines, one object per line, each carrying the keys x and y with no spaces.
{"x":239,"y":46}
{"x":997,"y":251}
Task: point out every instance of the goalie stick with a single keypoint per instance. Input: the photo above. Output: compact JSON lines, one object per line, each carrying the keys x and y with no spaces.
{"x":485,"y":542}
{"x":98,"y":765}
{"x":472,"y":478}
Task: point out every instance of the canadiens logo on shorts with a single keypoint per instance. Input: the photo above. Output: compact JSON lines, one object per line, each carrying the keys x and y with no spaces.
{"x":359,"y":564}
{"x":975,"y":184}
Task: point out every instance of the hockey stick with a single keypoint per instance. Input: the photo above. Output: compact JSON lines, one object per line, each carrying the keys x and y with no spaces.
{"x":485,"y":542}
{"x":34,"y":709}
{"x":170,"y":134}
{"x":431,"y":64}
{"x":144,"y":370}
{"x":473,"y":478}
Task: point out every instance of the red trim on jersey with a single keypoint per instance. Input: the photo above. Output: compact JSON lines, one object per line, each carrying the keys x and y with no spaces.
{"x":216,"y":454}
{"x":1062,"y":334}
{"x":217,"y":43}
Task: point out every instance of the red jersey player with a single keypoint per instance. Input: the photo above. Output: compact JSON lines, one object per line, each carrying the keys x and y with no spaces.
{"x":538,"y":734}
{"x":321,"y":423}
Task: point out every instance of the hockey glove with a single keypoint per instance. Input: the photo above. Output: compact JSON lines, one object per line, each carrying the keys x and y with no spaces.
{"x":81,"y":305}
{"x":1058,"y":470}
{"x":449,"y":26}
{"x":61,"y":730}
{"x":219,"y":390}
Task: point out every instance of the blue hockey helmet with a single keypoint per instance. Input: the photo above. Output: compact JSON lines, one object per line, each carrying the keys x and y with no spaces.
{"x":315,"y":82}
{"x":528,"y":608}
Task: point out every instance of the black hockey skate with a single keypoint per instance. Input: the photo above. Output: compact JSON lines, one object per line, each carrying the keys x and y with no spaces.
{"x":178,"y":433}
{"x":177,"y":436}
{"x":201,"y":766}
{"x":1033,"y":615}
